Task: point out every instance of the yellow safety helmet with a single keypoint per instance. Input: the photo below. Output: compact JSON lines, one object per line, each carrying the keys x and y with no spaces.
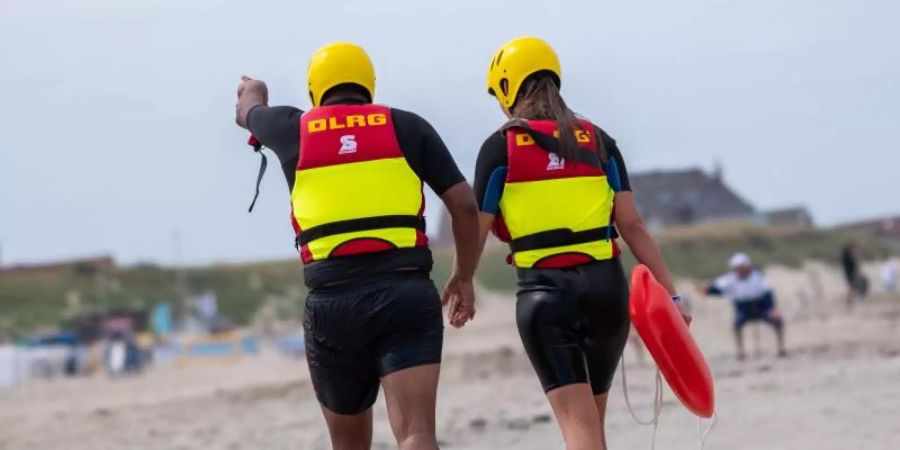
{"x":514,"y":62}
{"x":339,"y":63}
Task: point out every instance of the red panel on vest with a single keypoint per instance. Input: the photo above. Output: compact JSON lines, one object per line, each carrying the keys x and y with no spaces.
{"x":341,"y":134}
{"x":362,"y":245}
{"x":563,"y":260}
{"x":306,"y":255}
{"x":421,"y":239}
{"x":529,"y":162}
{"x":499,"y":228}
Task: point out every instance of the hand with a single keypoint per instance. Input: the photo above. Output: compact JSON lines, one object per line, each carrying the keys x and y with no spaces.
{"x":688,"y":318}
{"x":251,"y":85}
{"x":700,"y":289}
{"x":459,"y":297}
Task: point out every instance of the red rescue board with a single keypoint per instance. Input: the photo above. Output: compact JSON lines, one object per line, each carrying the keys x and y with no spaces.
{"x":657,"y":320}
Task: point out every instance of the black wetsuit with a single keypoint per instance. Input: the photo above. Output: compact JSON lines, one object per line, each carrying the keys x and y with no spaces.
{"x":373,"y":314}
{"x":573,"y":321}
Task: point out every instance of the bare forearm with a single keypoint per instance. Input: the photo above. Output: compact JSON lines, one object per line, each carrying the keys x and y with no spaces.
{"x":460,"y":202}
{"x":251,"y":93}
{"x":647,"y":253}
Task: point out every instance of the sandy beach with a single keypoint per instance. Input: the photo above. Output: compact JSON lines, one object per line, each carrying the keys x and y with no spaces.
{"x":837,"y":390}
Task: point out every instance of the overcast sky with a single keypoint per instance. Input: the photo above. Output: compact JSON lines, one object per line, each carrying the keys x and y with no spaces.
{"x":116,"y":117}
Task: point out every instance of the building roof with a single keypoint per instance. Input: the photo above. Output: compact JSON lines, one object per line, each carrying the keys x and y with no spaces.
{"x":683,"y":197}
{"x":883,"y":226}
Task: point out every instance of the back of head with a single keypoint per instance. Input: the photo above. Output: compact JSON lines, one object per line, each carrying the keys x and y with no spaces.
{"x":339,"y":64}
{"x":525,"y":77}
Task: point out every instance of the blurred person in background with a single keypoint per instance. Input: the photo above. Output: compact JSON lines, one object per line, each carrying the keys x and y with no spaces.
{"x":889,"y":276}
{"x":752,"y":297}
{"x":554,"y":186}
{"x":857,"y":284}
{"x":373,"y":315}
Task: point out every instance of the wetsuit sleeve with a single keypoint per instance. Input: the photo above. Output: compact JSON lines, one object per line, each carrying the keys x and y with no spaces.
{"x":720,"y":285}
{"x":425,"y":151}
{"x":490,"y":173}
{"x":615,"y":170}
{"x":278,"y":128}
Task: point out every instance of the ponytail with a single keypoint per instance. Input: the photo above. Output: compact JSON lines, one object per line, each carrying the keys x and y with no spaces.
{"x":539,"y":99}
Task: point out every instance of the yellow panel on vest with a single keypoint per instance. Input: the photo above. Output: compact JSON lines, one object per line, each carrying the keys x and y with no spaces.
{"x":400,"y":237}
{"x":599,"y":250}
{"x":579,"y":203}
{"x":351,"y":191}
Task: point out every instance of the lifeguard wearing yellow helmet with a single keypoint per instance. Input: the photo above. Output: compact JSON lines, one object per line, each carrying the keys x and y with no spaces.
{"x":339,"y":63}
{"x":514,"y":62}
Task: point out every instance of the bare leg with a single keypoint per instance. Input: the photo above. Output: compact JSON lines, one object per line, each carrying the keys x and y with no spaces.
{"x":739,"y":341}
{"x":600,"y":401}
{"x":774,"y":318}
{"x":576,"y":411}
{"x":349,"y":432}
{"x":851,"y":297}
{"x":411,"y":397}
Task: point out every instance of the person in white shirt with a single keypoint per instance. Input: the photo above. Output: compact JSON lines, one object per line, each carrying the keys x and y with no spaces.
{"x":752,"y":297}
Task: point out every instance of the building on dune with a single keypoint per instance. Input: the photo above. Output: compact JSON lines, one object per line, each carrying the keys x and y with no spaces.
{"x":668,"y":198}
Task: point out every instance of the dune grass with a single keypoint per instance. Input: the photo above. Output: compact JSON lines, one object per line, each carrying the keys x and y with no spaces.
{"x":33,"y":300}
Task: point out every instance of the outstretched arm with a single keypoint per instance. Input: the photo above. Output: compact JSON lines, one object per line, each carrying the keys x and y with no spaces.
{"x":250,"y":93}
{"x":631,"y":227}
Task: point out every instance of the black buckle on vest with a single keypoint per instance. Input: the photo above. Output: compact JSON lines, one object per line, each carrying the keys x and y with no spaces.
{"x":560,"y":237}
{"x":363,"y":224}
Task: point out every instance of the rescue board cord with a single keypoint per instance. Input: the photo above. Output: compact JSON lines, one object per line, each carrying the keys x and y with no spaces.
{"x":657,"y":403}
{"x":703,"y":435}
{"x":657,"y":411}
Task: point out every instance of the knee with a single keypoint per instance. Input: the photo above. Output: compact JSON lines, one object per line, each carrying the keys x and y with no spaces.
{"x":417,"y":440}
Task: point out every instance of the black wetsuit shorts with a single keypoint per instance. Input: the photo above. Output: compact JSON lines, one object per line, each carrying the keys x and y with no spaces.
{"x":360,"y":331}
{"x":574,"y":323}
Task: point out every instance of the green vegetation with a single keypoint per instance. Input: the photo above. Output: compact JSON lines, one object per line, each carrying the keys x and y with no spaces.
{"x":36,"y":299}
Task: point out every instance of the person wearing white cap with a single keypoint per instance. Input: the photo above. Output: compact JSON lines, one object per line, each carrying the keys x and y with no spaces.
{"x":752,"y":296}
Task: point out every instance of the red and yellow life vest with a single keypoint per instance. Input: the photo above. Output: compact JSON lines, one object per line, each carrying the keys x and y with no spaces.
{"x":354,"y":192}
{"x":553,"y":212}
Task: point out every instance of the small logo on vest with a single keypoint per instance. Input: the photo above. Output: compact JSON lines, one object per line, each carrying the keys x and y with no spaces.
{"x":348,"y":144}
{"x":556,"y":162}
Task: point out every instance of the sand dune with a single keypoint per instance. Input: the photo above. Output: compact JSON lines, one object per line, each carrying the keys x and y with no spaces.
{"x":837,"y":390}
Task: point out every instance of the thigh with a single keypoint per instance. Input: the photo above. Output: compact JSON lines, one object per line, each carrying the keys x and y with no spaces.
{"x":546,"y":317}
{"x":579,"y":418}
{"x":411,"y":397}
{"x":743,"y":313}
{"x":605,"y":308}
{"x":408,"y":329}
{"x":343,"y":371}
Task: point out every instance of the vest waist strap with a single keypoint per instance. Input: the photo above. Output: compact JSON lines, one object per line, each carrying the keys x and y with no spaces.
{"x":362,"y":224}
{"x":561,"y":237}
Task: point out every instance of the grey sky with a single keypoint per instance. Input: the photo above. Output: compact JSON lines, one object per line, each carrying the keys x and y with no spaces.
{"x":116,"y":124}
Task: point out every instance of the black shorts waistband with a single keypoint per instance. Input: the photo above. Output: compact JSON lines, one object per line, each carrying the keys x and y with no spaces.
{"x":374,"y":281}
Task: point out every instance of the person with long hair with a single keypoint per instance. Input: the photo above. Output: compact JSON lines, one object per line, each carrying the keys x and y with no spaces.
{"x":554,"y":186}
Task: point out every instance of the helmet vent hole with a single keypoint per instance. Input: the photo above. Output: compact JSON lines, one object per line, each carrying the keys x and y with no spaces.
{"x":499,"y":56}
{"x":504,"y":86}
